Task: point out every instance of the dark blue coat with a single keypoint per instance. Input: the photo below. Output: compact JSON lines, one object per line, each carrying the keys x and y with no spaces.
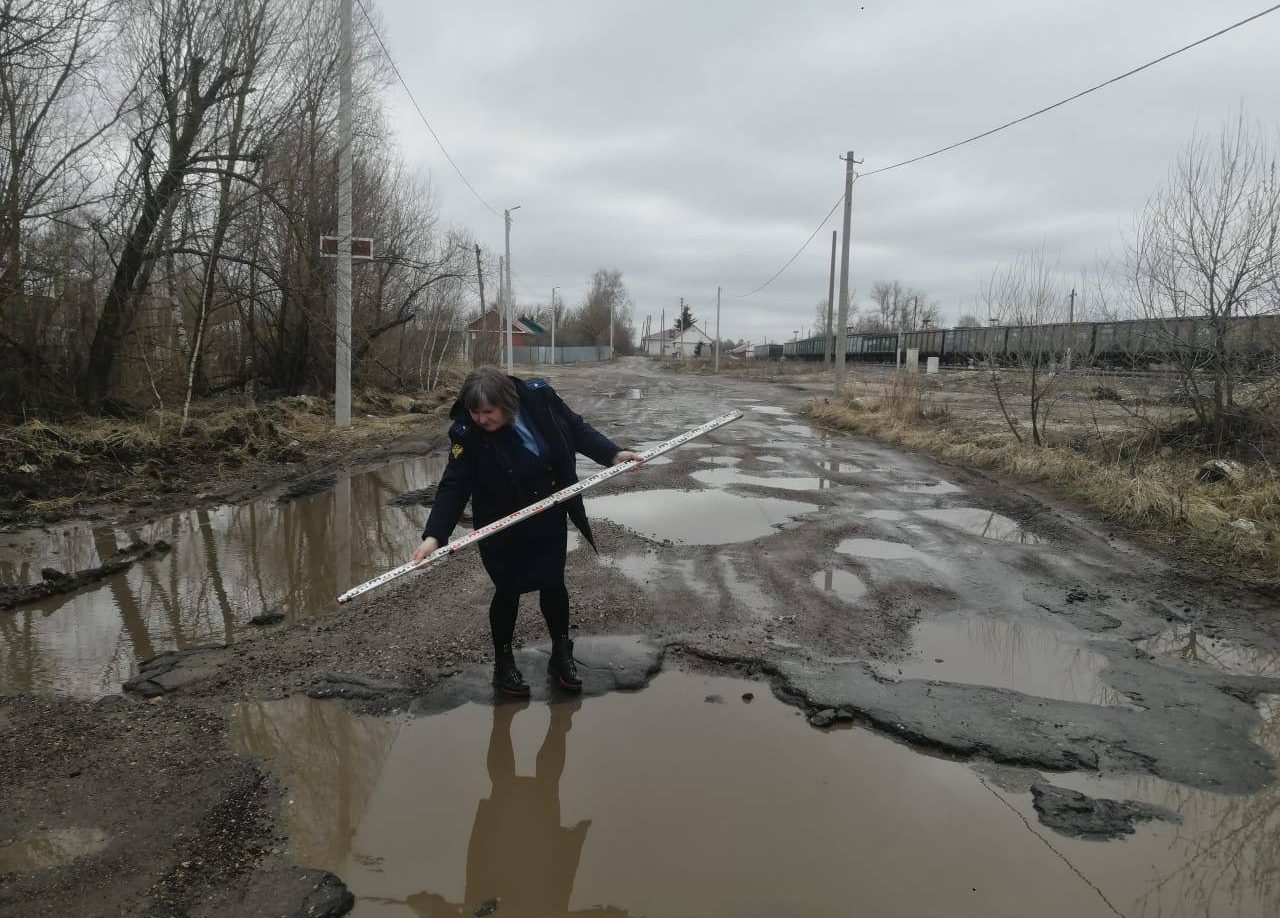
{"x":483,"y":467}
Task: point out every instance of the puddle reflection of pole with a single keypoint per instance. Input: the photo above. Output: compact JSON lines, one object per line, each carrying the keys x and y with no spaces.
{"x":342,"y":529}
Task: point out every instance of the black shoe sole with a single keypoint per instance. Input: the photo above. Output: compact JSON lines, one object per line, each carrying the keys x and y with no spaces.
{"x":521,"y":691}
{"x":566,"y":684}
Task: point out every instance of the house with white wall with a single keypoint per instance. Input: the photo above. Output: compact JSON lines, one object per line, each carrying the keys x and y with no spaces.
{"x":672,"y":343}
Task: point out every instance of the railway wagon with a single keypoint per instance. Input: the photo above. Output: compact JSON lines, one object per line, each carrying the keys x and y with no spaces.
{"x":878,"y":346}
{"x":977,"y":342}
{"x":767,"y":351}
{"x":929,"y":341}
{"x":1056,"y":338}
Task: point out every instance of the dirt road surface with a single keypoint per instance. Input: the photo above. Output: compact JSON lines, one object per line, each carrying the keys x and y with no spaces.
{"x":823,"y":677}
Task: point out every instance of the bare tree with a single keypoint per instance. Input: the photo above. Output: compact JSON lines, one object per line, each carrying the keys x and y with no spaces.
{"x":1029,"y":296}
{"x":1205,"y":249}
{"x":51,"y":114}
{"x":900,"y":308}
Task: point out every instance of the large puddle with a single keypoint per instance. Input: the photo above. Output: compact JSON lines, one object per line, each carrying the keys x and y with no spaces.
{"x":983,"y":523}
{"x":684,"y":799}
{"x":227,"y":565}
{"x":697,"y":517}
{"x":1004,"y":651}
{"x":730,"y":476}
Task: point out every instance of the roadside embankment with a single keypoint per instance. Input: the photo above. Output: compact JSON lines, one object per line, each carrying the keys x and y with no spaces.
{"x":94,"y":465}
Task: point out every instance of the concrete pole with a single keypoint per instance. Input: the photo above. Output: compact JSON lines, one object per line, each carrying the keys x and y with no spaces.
{"x":842,"y":324}
{"x":662,"y":334}
{"x":553,"y":325}
{"x":1071,"y":325}
{"x":831,"y":302}
{"x":342,"y":343}
{"x":507,"y":290}
{"x":717,"y":330}
{"x":611,"y":329}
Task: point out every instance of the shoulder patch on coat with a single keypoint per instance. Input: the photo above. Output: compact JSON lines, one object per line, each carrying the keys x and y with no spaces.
{"x":456,"y":450}
{"x":536,"y":383}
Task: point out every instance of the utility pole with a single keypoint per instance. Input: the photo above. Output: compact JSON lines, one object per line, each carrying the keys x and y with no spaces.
{"x":843,"y":324}
{"x":342,"y":344}
{"x":610,"y":329}
{"x":662,"y":334}
{"x":510,"y":308}
{"x":831,"y":302}
{"x":1071,"y":324}
{"x":553,"y":325}
{"x":717,"y":330}
{"x":475,"y":340}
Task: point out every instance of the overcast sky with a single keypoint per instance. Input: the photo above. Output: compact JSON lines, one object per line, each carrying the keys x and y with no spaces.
{"x":690,"y":144}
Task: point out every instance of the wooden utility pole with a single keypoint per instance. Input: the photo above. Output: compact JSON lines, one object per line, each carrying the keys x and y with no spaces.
{"x":843,"y":324}
{"x":831,"y":302}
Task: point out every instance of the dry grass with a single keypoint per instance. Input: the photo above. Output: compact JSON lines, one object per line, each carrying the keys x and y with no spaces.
{"x":1155,"y":494}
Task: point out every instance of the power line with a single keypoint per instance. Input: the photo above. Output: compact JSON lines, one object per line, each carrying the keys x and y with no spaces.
{"x":790,"y":260}
{"x":386,"y":53}
{"x":1072,"y":98}
{"x":1009,"y":124}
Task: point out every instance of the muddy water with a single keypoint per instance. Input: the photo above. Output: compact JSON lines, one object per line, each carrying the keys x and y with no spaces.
{"x":683,"y":799}
{"x":730,"y":476}
{"x":1002,"y":651}
{"x":227,"y":565}
{"x":697,"y":517}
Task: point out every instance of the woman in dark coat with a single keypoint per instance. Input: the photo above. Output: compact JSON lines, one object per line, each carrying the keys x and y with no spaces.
{"x":514,"y":442}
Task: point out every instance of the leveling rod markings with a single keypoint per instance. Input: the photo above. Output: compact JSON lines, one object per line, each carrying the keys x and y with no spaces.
{"x":561,"y":496}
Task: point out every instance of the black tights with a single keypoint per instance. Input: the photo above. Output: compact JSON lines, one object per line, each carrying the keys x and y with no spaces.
{"x":504,"y":606}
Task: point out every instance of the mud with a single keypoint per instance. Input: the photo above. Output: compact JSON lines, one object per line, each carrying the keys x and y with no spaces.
{"x":1076,"y":815}
{"x":935,"y":614}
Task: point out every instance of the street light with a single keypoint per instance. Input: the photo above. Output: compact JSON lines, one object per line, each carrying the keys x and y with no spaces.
{"x":510,"y":314}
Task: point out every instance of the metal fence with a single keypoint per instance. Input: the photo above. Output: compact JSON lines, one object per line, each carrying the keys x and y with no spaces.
{"x":533,"y":355}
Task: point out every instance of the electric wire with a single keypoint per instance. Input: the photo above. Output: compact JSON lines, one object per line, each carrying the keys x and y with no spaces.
{"x":418,"y":108}
{"x":1072,"y":98}
{"x":1009,"y":124}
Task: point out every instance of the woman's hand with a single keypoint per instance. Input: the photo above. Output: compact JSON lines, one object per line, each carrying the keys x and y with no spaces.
{"x":626,"y":455}
{"x":429,"y":545}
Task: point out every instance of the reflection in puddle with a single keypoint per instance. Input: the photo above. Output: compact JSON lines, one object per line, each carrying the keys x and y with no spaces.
{"x":49,"y":848}
{"x":575,"y":809}
{"x":1006,"y":652}
{"x":800,"y":430}
{"x":880,"y":550}
{"x":775,"y":459}
{"x":721,"y":460}
{"x":1189,"y":646}
{"x":770,"y":409}
{"x":982,"y":523}
{"x":936,"y":487}
{"x":228,"y":564}
{"x":844,"y":584}
{"x":836,"y":467}
{"x":731,"y":476}
{"x":697,"y":517}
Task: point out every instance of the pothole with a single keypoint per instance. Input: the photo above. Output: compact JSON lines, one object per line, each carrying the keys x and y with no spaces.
{"x":845,"y":585}
{"x":697,"y":517}
{"x":935,"y":487}
{"x":1005,"y":652}
{"x":1190,"y":646}
{"x":740,"y":807}
{"x":730,"y":476}
{"x":986,"y":524}
{"x":880,"y":550}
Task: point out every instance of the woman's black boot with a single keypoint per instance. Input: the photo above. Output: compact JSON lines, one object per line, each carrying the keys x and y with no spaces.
{"x":561,"y":664}
{"x":506,"y":675}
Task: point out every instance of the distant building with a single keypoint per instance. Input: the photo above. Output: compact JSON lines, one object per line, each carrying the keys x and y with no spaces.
{"x":742,"y":352}
{"x":672,"y":343}
{"x":488,"y":332}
